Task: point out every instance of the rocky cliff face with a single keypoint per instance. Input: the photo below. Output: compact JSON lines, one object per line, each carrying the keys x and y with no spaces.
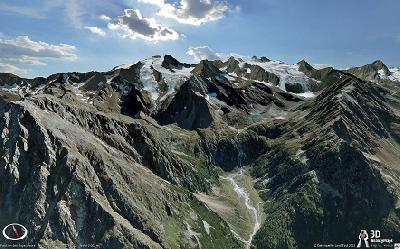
{"x":376,"y":71}
{"x":132,"y":157}
{"x":76,"y":176}
{"x":333,"y":176}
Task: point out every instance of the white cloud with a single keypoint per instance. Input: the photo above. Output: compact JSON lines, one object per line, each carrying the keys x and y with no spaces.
{"x":105,"y":18}
{"x":8,"y":68}
{"x":133,"y":25}
{"x":24,"y":48}
{"x":23,"y":51}
{"x":96,"y":30}
{"x":194,"y":12}
{"x":202,"y":53}
{"x":206,"y":53}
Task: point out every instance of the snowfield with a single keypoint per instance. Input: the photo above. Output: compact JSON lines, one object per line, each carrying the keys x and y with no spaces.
{"x":172,"y":79}
{"x":395,"y":74}
{"x":288,"y":73}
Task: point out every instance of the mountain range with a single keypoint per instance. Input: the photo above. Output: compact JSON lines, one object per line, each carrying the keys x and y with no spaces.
{"x":235,"y":153}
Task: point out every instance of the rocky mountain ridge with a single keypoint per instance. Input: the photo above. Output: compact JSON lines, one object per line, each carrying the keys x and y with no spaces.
{"x":133,"y":157}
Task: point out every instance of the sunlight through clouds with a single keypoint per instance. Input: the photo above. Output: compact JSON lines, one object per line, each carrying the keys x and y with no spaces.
{"x":133,"y":25}
{"x":193,"y":12}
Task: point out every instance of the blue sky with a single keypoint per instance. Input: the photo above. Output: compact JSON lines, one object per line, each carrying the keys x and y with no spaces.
{"x":41,"y":37}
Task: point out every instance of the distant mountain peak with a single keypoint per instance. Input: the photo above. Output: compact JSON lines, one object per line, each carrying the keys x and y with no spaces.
{"x":378,"y":64}
{"x":376,"y":71}
{"x":305,"y":66}
{"x":206,"y":68}
{"x":261,"y":59}
{"x":170,"y":62}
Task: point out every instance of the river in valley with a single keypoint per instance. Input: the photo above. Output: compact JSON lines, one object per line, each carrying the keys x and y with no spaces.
{"x":242,"y":193}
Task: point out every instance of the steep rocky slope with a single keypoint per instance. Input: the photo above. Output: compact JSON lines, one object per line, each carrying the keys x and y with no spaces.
{"x":332,"y":172}
{"x":325,"y":76}
{"x":376,"y":71}
{"x":147,"y":155}
{"x":76,"y":176}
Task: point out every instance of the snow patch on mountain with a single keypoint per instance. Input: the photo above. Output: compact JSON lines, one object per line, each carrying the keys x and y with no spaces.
{"x":123,"y":66}
{"x":287,"y":73}
{"x":10,"y":88}
{"x":148,"y":80}
{"x":382,"y":74}
{"x":173,"y":78}
{"x":306,"y":95}
{"x":394,"y":74}
{"x":78,"y":92}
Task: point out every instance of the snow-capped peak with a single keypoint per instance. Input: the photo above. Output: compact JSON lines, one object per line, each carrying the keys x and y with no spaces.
{"x":172,"y":77}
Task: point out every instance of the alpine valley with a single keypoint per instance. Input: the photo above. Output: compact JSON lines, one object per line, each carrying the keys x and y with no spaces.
{"x":234,"y":153}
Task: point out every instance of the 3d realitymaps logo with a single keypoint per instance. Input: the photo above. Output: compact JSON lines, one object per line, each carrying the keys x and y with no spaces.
{"x":363,"y":239}
{"x":15,"y":231}
{"x":373,"y":240}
